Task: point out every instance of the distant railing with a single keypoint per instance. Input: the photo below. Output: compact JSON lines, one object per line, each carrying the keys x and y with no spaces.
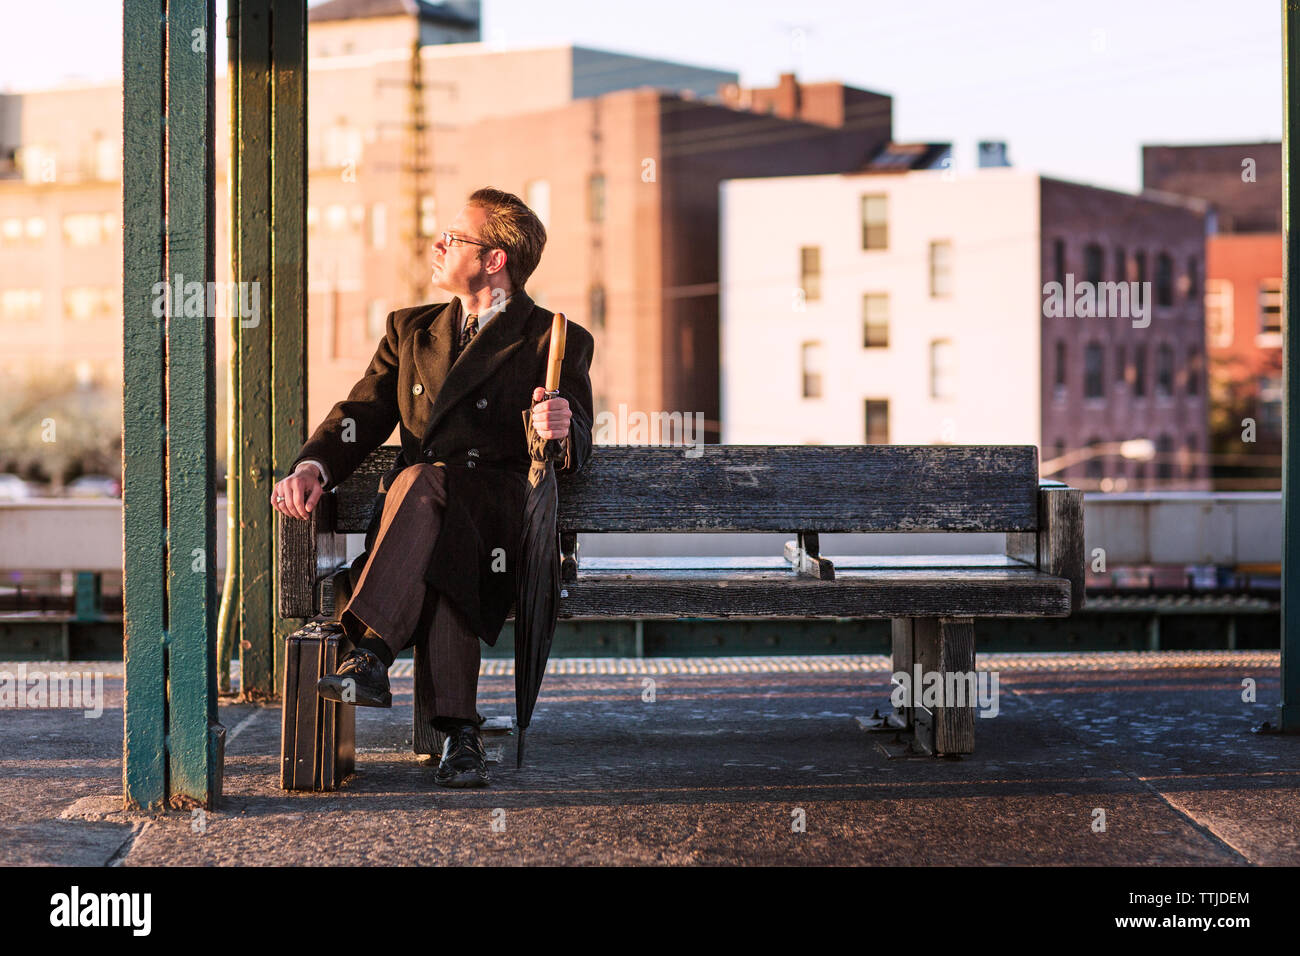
{"x":1131,"y":528}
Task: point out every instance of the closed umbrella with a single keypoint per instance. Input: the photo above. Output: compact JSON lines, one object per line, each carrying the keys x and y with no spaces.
{"x":537,"y":595}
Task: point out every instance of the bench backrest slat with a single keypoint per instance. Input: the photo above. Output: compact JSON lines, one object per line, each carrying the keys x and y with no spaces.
{"x":766,"y":488}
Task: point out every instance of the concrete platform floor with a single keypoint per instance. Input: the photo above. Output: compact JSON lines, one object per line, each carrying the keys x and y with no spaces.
{"x":718,"y":761}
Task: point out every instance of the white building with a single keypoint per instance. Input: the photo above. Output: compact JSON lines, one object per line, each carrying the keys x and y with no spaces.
{"x":908,"y":308}
{"x":818,"y":333}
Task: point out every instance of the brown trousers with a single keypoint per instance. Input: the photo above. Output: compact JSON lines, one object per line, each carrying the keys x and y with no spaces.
{"x":391,"y":596}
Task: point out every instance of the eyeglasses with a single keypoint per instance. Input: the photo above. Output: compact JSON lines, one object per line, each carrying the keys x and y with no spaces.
{"x":448,"y":239}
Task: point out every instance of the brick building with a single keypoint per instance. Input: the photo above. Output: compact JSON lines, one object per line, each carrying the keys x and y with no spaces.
{"x":1243,"y":294}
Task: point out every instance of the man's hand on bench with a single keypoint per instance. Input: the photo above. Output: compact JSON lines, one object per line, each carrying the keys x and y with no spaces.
{"x":297,"y":495}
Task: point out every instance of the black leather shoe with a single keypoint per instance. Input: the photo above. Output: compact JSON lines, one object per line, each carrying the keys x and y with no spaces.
{"x":464,"y":761}
{"x":361,"y":679}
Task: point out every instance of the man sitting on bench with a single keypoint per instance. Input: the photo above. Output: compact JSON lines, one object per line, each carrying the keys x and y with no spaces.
{"x":441,"y":553}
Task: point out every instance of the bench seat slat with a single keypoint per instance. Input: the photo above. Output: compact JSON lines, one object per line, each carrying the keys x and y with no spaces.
{"x":775,"y":488}
{"x":855,"y":593}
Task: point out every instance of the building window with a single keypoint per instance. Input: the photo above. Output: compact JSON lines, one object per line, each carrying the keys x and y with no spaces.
{"x":537,"y":195}
{"x":1164,"y":280}
{"x":378,"y":225}
{"x":877,"y":417}
{"x":875,"y":222}
{"x":336,"y":216}
{"x":342,"y":144}
{"x":597,"y":300}
{"x":812,"y":369}
{"x":83,"y":303}
{"x":1140,"y":371}
{"x":810,"y":272}
{"x":20,"y":303}
{"x":1270,"y":306}
{"x":1058,"y":254}
{"x":1121,"y":365}
{"x":596,"y":197}
{"x":428,"y":215}
{"x":1121,"y":265}
{"x":943,"y":369}
{"x":1140,"y":265}
{"x":1164,"y":452}
{"x":1093,"y":372}
{"x":88,"y":228}
{"x":1193,"y":370}
{"x":1218,"y":312}
{"x":1060,"y":364}
{"x":376,"y":318}
{"x":1193,"y":277}
{"x":875,"y":320}
{"x":1093,"y":469}
{"x":1164,"y":371}
{"x":941,"y":268}
{"x":1058,"y":453}
{"x":1092,"y":262}
{"x":1270,"y":402}
{"x":1193,"y":448}
{"x":39,"y":164}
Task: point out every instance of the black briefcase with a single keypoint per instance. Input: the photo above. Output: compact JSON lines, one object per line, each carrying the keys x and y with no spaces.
{"x":317,"y":736}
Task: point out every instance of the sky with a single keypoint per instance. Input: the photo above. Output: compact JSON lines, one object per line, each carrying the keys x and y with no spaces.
{"x":1074,"y":89}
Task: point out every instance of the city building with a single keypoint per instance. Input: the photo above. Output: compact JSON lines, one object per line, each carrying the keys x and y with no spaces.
{"x":621,"y":155}
{"x":916,"y":306}
{"x":1243,"y":295}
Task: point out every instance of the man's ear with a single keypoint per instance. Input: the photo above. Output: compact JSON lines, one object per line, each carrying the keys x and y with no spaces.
{"x":495,"y":264}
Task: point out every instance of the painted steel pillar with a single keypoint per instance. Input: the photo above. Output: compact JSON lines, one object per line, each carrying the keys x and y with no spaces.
{"x":173,"y":743}
{"x":268,"y":197}
{"x":1289,"y":709}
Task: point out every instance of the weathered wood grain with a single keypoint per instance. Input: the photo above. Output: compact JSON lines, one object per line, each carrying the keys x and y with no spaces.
{"x":1060,"y":534}
{"x":667,"y":595}
{"x":306,"y":552}
{"x":903,"y":656}
{"x":763,"y":488}
{"x":1057,"y":546}
{"x":954,"y":726}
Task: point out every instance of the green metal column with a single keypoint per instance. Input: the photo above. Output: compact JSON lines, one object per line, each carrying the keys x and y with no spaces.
{"x":1289,"y":709}
{"x":195,"y":737}
{"x":268,"y":161}
{"x":172,"y":751}
{"x":144,"y":443}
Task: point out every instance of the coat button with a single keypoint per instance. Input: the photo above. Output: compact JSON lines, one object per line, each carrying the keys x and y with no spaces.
{"x":473,"y":451}
{"x":417,"y":388}
{"x":470,"y":464}
{"x":429,"y":453}
{"x":481,"y":403}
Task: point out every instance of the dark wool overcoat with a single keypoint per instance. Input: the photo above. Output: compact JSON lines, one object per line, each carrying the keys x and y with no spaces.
{"x":467,"y":416}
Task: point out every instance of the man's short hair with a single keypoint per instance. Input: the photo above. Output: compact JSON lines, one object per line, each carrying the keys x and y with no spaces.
{"x":512,"y":227}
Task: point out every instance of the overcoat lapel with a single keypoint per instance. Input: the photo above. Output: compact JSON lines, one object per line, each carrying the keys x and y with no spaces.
{"x":487,"y":351}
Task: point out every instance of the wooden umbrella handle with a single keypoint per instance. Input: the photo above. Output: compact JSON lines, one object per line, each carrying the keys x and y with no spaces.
{"x":558,"y":327}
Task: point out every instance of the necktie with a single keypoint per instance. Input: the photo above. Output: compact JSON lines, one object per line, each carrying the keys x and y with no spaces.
{"x":467,"y":333}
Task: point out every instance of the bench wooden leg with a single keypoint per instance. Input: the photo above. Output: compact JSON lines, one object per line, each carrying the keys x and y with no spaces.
{"x":904,"y":648}
{"x":942,"y":645}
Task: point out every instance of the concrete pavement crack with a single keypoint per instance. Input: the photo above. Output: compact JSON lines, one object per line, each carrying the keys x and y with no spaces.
{"x":1200,"y":828}
{"x":120,"y":854}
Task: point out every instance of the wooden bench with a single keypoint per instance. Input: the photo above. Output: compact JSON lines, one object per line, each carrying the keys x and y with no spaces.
{"x":804,"y":490}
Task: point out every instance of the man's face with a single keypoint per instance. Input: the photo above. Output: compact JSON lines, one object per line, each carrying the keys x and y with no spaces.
{"x":461,"y":267}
